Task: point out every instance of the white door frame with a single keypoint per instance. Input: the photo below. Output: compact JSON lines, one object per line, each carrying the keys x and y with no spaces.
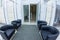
{"x":23,"y":15}
{"x":29,"y":23}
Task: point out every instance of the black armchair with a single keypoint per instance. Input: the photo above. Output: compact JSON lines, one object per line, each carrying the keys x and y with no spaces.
{"x":40,"y":23}
{"x":16,"y":23}
{"x":49,"y":33}
{"x":7,"y":31}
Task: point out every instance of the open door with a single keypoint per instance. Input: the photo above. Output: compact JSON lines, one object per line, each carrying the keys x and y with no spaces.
{"x":33,"y":13}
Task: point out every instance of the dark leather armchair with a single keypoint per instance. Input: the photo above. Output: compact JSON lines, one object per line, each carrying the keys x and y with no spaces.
{"x":16,"y":23}
{"x":40,"y":23}
{"x":7,"y":31}
{"x":49,"y":33}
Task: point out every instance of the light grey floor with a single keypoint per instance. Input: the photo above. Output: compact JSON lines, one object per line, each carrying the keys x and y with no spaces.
{"x":28,"y":32}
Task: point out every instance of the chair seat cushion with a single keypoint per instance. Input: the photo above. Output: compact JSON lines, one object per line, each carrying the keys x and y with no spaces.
{"x":49,"y":33}
{"x":45,"y":34}
{"x":2,"y":35}
{"x":9,"y":33}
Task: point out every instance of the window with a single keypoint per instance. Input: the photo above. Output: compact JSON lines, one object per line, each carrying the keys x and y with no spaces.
{"x":0,"y":3}
{"x":26,"y":13}
{"x":2,"y":19}
{"x":10,"y":12}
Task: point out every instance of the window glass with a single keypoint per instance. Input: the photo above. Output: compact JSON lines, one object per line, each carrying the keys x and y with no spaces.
{"x":26,"y":13}
{"x":2,"y":19}
{"x":10,"y":11}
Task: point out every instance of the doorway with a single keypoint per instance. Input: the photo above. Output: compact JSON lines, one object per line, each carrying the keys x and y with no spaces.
{"x":29,"y":12}
{"x":32,"y":13}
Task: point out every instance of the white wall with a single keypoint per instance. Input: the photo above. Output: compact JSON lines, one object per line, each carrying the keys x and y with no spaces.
{"x":2,"y":18}
{"x":12,"y":10}
{"x":31,"y":1}
{"x":48,"y":12}
{"x":5,"y":10}
{"x":45,"y":10}
{"x":51,"y":8}
{"x":58,"y":2}
{"x":54,"y":2}
{"x":15,"y":10}
{"x":53,"y":13}
{"x":19,"y":12}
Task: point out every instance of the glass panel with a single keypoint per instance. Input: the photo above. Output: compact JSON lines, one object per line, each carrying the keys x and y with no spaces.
{"x":2,"y":16}
{"x":2,"y":19}
{"x":33,"y":13}
{"x":26,"y":13}
{"x":10,"y":11}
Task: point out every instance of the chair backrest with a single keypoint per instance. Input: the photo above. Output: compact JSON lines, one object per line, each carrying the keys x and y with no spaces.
{"x":16,"y":23}
{"x":40,"y":23}
{"x":51,"y":29}
{"x":6,"y":27}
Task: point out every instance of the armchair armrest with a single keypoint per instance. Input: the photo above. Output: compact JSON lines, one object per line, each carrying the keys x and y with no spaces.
{"x":2,"y":35}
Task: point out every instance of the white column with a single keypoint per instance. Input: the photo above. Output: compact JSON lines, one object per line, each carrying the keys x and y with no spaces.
{"x":51,"y":8}
{"x":53,"y":13}
{"x":43,"y":10}
{"x":15,"y":9}
{"x":10,"y":12}
{"x":5,"y":11}
{"x":49,"y":12}
{"x":19,"y":11}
